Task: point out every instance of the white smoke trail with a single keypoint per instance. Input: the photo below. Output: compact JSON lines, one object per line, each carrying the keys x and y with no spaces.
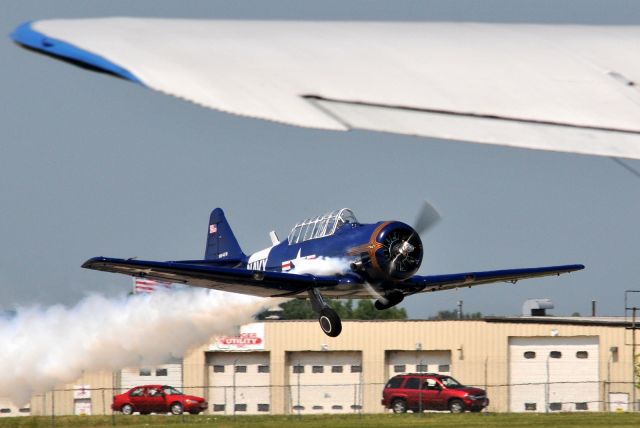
{"x":45,"y":347}
{"x":321,"y":266}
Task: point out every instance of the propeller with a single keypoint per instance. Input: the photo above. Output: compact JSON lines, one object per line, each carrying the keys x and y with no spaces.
{"x":427,"y":217}
{"x":401,"y":249}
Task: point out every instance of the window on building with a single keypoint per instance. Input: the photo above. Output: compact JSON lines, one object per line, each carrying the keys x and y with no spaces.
{"x":399,"y":368}
{"x":298,"y":368}
{"x":298,"y":408}
{"x":162,"y":372}
{"x":356,"y":407}
{"x":218,"y":368}
{"x":555,"y":354}
{"x":145,"y":372}
{"x":316,"y":407}
{"x":336,"y":369}
{"x":582,"y":406}
{"x":444,"y":368}
{"x":394,"y":382}
{"x":218,"y":407}
{"x":241,"y":407}
{"x":420,"y":368}
{"x":529,"y":355}
{"x":531,"y":407}
{"x":5,"y":410}
{"x":317,"y":369}
{"x":263,"y":407}
{"x":25,"y":410}
{"x":412,"y":383}
{"x":263,"y":368}
{"x":356,"y":369}
{"x":555,"y":406}
{"x":336,"y":407}
{"x":241,"y":369}
{"x":582,"y":355}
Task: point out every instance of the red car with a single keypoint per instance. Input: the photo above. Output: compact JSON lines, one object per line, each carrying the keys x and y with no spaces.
{"x":429,"y":391}
{"x":157,"y":399}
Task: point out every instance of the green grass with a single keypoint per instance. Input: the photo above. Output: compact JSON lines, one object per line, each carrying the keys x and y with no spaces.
{"x":501,"y":420}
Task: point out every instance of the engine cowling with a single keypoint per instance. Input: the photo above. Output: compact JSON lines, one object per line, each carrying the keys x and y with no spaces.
{"x":393,"y":253}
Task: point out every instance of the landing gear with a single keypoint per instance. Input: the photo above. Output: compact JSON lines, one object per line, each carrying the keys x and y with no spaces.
{"x":329,"y":320}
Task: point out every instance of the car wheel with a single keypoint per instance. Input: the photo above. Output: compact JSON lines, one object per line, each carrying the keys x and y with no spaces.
{"x":176,"y":409}
{"x":127,"y":409}
{"x":399,"y":405}
{"x":456,"y":406}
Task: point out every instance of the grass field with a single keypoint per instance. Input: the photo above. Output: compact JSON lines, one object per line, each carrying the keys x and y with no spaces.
{"x":339,"y":421}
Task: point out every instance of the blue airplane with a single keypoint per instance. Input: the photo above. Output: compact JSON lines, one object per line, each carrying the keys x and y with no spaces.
{"x":379,"y":260}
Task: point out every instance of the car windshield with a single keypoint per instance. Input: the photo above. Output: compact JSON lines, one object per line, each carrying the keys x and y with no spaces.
{"x":450,"y":382}
{"x":169,"y":390}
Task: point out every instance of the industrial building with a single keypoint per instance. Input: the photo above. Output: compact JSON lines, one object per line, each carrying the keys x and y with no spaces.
{"x":526,"y":364}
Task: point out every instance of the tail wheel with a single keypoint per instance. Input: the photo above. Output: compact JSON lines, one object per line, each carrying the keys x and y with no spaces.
{"x":127,"y":409}
{"x":176,"y":408}
{"x":399,"y":405}
{"x":456,"y":406}
{"x":330,"y":322}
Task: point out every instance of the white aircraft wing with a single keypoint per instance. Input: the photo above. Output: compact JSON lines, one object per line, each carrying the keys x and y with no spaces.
{"x":567,"y":88}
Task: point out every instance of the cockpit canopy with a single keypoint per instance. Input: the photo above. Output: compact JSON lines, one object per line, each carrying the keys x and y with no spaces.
{"x":321,"y":226}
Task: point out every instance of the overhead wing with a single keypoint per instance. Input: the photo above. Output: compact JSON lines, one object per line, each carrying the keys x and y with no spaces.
{"x":470,"y":279}
{"x":243,"y":281}
{"x":567,"y":88}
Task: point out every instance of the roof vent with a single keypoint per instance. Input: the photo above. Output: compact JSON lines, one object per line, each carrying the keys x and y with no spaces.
{"x":536,"y":307}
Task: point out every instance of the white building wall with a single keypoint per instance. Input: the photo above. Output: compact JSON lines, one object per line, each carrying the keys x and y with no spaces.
{"x":553,"y":374}
{"x":239,"y":381}
{"x":165,"y":374}
{"x":324,"y":382}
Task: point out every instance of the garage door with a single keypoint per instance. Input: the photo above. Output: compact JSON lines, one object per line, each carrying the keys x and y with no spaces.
{"x":240,"y":382}
{"x":553,"y":374}
{"x":398,"y":362}
{"x":324,"y":382}
{"x":166,"y":374}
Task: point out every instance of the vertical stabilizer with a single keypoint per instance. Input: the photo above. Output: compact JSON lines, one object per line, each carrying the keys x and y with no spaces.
{"x":221,"y":243}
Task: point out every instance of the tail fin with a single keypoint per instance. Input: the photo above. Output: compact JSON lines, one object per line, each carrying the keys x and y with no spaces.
{"x":221,"y":243}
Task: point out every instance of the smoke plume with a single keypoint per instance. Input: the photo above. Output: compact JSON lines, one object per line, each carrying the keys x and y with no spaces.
{"x":321,"y":266}
{"x":47,"y":347}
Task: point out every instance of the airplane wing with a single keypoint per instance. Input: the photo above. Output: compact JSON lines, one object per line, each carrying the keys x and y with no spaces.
{"x":243,"y":281}
{"x":470,"y":279}
{"x":274,"y":284}
{"x":569,"y":88}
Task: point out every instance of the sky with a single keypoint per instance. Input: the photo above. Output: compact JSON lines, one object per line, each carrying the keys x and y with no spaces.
{"x":96,"y":166}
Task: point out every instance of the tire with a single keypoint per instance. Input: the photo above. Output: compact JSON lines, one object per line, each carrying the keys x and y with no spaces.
{"x":399,"y":405}
{"x":330,"y":322}
{"x":456,"y":406}
{"x":176,"y":408}
{"x":127,"y":409}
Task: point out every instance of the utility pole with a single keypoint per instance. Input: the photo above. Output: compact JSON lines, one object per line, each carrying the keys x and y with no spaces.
{"x":459,"y":309}
{"x":632,"y":310}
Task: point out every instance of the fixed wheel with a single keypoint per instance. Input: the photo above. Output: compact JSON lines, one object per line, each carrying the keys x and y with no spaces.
{"x":330,"y":322}
{"x":127,"y":409}
{"x":399,"y":406}
{"x":456,"y":406}
{"x":176,"y":409}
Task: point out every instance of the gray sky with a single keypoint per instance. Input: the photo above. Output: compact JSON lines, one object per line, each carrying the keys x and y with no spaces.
{"x":91,"y":165}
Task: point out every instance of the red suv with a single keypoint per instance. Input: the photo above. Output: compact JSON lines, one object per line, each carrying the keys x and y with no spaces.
{"x":429,"y":391}
{"x":157,"y":399}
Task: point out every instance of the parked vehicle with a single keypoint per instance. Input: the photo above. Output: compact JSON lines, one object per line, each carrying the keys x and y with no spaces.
{"x":157,"y":399}
{"x":430,"y":391}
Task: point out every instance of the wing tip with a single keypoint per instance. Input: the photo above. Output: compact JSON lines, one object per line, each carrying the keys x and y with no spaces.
{"x":28,"y":37}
